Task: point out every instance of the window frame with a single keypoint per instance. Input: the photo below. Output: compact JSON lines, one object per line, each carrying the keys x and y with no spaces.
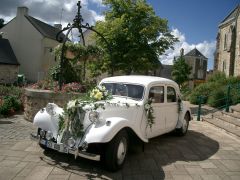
{"x":175,"y":92}
{"x":163,"y":95}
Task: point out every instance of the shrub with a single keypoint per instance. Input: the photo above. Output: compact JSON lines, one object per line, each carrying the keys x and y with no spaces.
{"x":9,"y":104}
{"x":235,"y":95}
{"x":217,"y":76}
{"x":215,"y":90}
{"x":11,"y":90}
{"x":217,"y":98}
{"x":202,"y":90}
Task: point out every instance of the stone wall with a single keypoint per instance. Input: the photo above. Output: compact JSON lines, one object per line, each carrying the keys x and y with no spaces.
{"x":8,"y":73}
{"x":38,"y":99}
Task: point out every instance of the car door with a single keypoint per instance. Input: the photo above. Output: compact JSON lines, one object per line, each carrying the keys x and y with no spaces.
{"x":171,"y":108}
{"x":156,"y":93}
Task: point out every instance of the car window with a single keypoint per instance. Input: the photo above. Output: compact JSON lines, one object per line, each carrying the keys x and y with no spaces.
{"x":122,"y":89}
{"x":171,"y":94}
{"x":156,"y":93}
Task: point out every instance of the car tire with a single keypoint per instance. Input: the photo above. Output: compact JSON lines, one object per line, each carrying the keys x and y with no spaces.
{"x":183,"y":130}
{"x":116,"y":151}
{"x":41,"y":145}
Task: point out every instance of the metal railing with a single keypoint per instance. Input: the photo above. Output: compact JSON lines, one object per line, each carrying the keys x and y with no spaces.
{"x":232,"y":90}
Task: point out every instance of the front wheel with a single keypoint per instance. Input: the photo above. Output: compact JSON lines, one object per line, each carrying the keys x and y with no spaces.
{"x":185,"y":123}
{"x":116,"y":151}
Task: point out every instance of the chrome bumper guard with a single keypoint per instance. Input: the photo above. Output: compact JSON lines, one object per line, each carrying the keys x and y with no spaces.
{"x":64,"y":149}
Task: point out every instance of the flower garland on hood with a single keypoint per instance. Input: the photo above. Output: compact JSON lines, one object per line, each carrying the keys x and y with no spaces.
{"x":70,"y":120}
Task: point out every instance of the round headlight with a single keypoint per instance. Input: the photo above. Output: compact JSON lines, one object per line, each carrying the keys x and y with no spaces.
{"x":42,"y":133}
{"x":49,"y":135}
{"x":85,"y":145}
{"x":93,"y":116}
{"x":50,"y":109}
{"x":71,"y":142}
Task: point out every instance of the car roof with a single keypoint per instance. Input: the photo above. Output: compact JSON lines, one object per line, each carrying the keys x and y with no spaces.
{"x":138,"y":79}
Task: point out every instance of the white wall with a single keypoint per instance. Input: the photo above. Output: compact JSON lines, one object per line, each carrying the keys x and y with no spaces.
{"x":31,"y":48}
{"x":26,"y":43}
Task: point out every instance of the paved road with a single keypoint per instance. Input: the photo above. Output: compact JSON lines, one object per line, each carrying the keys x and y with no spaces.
{"x":204,"y":153}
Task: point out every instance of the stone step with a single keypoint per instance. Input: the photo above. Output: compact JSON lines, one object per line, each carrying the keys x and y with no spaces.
{"x":228,"y":118}
{"x":235,"y":109}
{"x":230,"y":128}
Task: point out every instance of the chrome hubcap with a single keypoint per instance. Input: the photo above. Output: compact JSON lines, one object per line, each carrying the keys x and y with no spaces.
{"x":122,"y":150}
{"x":185,"y":125}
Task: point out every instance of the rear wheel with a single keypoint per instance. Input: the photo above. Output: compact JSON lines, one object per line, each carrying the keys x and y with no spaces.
{"x":185,"y":123}
{"x":116,"y":151}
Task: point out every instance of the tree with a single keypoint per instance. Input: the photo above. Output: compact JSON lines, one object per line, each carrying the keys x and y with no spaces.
{"x":137,"y":37}
{"x":1,"y":23}
{"x":181,"y":70}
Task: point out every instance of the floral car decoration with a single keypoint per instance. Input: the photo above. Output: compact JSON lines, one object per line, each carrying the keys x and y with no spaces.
{"x":100,"y":125}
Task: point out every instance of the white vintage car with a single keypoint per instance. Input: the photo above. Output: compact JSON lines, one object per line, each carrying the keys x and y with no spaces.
{"x":141,"y":107}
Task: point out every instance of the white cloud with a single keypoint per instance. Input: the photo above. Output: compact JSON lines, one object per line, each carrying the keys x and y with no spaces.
{"x":205,"y":47}
{"x":50,"y":11}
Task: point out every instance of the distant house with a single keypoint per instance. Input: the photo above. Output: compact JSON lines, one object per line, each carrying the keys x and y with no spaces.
{"x":227,"y":54}
{"x":9,"y":65}
{"x":32,"y":42}
{"x":165,"y":71}
{"x":198,"y":62}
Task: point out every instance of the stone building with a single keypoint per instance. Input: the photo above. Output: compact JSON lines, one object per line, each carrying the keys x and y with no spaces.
{"x":32,"y":42}
{"x":227,"y":54}
{"x":198,"y":62}
{"x":9,"y":65}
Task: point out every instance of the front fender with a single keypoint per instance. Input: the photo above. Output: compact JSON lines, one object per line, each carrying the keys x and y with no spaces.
{"x":105,"y":133}
{"x":48,"y":122}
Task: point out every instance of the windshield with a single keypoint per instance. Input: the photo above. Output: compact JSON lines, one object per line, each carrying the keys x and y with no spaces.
{"x":122,"y":89}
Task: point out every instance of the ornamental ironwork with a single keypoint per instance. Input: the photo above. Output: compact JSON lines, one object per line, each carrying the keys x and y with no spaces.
{"x":77,"y":24}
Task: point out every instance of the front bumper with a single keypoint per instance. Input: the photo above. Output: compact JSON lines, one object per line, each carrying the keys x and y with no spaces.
{"x":64,"y":149}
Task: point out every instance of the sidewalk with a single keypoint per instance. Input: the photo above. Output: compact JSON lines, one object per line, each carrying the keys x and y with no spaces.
{"x":204,"y":153}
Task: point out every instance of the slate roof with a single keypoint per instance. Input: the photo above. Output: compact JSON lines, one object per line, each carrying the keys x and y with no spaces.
{"x":7,"y":55}
{"x":45,"y":29}
{"x":195,"y":53}
{"x":232,"y":16}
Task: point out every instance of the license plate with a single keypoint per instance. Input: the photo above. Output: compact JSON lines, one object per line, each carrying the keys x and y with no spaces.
{"x":56,"y":146}
{"x":42,"y":141}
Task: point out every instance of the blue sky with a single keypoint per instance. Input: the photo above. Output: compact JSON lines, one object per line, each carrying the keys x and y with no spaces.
{"x":194,"y":22}
{"x":197,"y":19}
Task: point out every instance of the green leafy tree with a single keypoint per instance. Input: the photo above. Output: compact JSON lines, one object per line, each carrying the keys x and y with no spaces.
{"x":181,"y":70}
{"x":137,"y":37}
{"x":1,"y":23}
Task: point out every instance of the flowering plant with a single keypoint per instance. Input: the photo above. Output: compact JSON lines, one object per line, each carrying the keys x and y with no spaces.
{"x":149,"y":112}
{"x":99,"y":93}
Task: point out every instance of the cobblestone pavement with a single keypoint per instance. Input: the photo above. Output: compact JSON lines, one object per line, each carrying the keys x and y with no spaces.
{"x":204,"y":153}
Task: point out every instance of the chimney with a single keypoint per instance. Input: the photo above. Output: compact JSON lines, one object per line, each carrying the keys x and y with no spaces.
{"x":58,"y":26}
{"x":21,"y":11}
